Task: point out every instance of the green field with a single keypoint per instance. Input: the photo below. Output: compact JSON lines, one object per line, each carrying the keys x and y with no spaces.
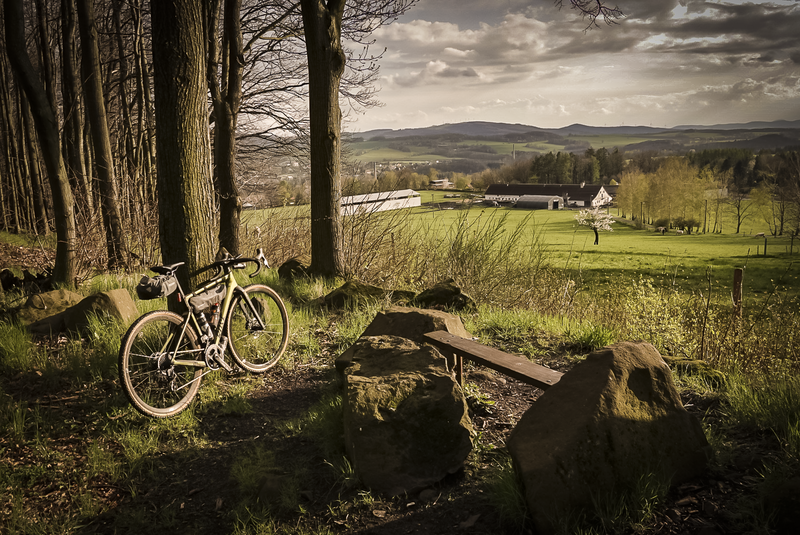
{"x":689,"y":261}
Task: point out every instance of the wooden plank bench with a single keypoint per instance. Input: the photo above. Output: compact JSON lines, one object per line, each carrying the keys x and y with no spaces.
{"x":456,"y":349}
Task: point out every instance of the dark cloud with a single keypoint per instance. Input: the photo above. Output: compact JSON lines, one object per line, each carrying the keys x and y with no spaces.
{"x":649,"y":10}
{"x":457,"y":73}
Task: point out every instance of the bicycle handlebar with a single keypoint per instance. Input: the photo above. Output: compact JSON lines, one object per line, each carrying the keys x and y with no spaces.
{"x":237,"y":262}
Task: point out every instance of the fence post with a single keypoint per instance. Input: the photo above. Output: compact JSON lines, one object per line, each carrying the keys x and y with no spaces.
{"x":765,"y":246}
{"x":737,"y":292}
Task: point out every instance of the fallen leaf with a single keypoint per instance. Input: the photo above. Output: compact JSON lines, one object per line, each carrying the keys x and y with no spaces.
{"x":378,"y":513}
{"x":219,"y":504}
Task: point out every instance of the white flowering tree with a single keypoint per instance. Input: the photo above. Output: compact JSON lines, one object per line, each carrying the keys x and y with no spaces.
{"x":595,"y":219}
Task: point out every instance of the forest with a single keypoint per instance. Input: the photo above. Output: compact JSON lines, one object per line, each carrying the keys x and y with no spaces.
{"x":83,"y":86}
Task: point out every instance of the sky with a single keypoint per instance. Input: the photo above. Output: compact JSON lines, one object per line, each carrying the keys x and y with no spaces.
{"x":665,"y":63}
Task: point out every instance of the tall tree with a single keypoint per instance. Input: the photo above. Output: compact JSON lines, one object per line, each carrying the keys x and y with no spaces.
{"x":322,"y":27}
{"x":226,"y":98}
{"x":183,"y":146}
{"x":322,"y":23}
{"x":96,"y":110}
{"x":44,"y":118}
{"x":71,"y":104}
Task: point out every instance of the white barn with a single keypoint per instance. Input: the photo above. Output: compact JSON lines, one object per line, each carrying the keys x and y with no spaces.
{"x":540,"y":202}
{"x":380,"y":202}
{"x":573,"y":194}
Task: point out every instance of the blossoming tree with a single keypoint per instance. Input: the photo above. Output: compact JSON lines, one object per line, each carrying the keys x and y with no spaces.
{"x":595,"y":219}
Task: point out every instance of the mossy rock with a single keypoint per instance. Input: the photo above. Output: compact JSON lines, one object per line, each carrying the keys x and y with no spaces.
{"x":294,"y":268}
{"x":353,"y":292}
{"x":45,"y":305}
{"x":406,"y":423}
{"x":444,"y":295}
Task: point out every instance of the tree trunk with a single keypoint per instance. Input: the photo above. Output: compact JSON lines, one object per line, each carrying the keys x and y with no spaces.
{"x":96,"y":110}
{"x":226,"y":112}
{"x":24,"y":204}
{"x":129,"y":177}
{"x":73,"y":118}
{"x":596,"y":237}
{"x":145,"y":122}
{"x":322,"y":23}
{"x":11,"y":201}
{"x":182,"y":138}
{"x":44,"y":118}
{"x":39,"y":209}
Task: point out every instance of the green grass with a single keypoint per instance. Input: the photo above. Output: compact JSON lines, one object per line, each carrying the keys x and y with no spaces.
{"x":626,"y":251}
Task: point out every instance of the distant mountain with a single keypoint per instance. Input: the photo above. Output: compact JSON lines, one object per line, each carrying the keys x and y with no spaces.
{"x":755,"y":125}
{"x":470,"y":129}
{"x":490,"y":129}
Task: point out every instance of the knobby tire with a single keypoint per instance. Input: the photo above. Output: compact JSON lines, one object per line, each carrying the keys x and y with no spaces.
{"x":254,"y":348}
{"x":154,"y":386}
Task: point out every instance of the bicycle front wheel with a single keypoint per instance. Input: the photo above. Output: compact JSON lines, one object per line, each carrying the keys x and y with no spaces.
{"x":153,"y":383}
{"x":257,"y":328}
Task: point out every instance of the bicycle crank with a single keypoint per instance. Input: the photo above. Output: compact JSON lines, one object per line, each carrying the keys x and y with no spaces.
{"x":214,"y":355}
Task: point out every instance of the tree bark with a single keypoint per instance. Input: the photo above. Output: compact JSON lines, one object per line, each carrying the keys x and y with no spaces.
{"x":322,"y":23}
{"x":96,"y":110}
{"x":129,"y":174}
{"x":182,"y":138}
{"x":39,"y":209}
{"x":44,"y":117}
{"x":226,"y":95}
{"x":73,"y":118}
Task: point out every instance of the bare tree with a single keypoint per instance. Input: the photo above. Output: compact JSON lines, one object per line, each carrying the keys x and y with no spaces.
{"x":592,"y":10}
{"x":96,"y":110}
{"x":44,"y":118}
{"x":322,"y":25}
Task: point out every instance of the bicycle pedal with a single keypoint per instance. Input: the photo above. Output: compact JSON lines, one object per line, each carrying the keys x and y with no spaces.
{"x":221,"y":361}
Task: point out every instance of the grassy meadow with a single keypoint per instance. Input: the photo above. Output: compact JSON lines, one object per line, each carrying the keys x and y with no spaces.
{"x":686,"y":261}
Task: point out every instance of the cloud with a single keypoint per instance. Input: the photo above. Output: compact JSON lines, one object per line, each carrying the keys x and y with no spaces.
{"x":436,"y":71}
{"x":664,"y":59}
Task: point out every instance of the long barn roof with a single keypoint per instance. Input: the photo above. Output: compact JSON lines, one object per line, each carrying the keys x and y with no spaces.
{"x":379,"y":197}
{"x":571,"y":191}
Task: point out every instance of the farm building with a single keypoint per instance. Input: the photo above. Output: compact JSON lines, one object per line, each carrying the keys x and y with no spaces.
{"x":379,"y":202}
{"x":572,"y":194}
{"x":540,"y":202}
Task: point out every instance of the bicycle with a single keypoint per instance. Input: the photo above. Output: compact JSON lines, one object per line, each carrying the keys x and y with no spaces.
{"x":164,"y":355}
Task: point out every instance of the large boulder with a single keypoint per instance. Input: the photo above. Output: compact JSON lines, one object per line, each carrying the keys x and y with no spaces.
{"x":611,"y":420}
{"x":352,"y":292}
{"x":47,"y":309}
{"x":444,"y":295}
{"x":405,"y":419}
{"x":295,"y":267}
{"x":62,"y":310}
{"x":409,"y":323}
{"x":116,"y":304}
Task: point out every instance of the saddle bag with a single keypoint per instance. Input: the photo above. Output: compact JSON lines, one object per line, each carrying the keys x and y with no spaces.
{"x":155,"y":287}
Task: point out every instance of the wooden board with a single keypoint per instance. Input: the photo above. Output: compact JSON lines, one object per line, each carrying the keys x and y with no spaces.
{"x":511,"y":365}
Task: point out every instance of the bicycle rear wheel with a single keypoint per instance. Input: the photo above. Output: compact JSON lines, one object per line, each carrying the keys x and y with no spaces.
{"x":154,"y":385}
{"x":257,"y":345}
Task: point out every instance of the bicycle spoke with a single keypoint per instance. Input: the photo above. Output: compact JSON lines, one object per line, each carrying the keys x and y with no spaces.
{"x":257,"y":328}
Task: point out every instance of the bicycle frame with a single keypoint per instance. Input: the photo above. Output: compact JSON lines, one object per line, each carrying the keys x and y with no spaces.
{"x":232,"y":288}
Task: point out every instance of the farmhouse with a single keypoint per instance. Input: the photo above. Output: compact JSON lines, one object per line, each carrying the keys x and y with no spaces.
{"x":440,"y":183}
{"x":540,"y":202}
{"x":572,"y":194}
{"x":379,"y":202}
